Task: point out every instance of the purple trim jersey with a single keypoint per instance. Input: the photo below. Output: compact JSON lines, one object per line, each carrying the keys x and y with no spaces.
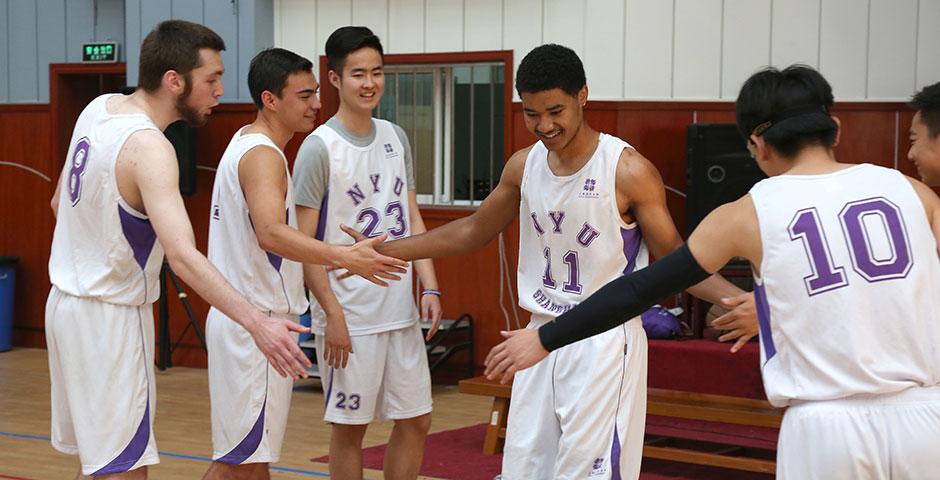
{"x":846,"y":290}
{"x":270,"y":282}
{"x":573,"y":239}
{"x":102,"y":248}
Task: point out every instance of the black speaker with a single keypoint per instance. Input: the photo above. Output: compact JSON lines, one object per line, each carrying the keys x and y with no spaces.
{"x":183,"y":138}
{"x":719,"y":169}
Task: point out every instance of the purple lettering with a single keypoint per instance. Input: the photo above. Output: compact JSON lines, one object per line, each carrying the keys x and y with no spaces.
{"x":587,"y":235}
{"x":557,"y":218}
{"x":375,"y":182}
{"x":356,"y":194}
{"x":398,"y":186}
{"x":535,"y":223}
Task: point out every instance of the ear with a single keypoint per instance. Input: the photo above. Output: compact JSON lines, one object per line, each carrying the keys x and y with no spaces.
{"x":761,"y":147}
{"x":839,"y":131}
{"x":583,"y":96}
{"x":269,"y":100}
{"x":173,"y":82}
{"x":335,"y":79}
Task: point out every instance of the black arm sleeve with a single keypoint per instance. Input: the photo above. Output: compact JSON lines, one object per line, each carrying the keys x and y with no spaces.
{"x":624,"y":298}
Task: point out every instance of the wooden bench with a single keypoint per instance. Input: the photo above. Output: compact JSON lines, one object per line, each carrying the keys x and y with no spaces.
{"x":666,"y":403}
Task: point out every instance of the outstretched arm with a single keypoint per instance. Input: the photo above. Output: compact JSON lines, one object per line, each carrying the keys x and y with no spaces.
{"x":472,"y":232}
{"x":148,"y":158}
{"x":263,"y":180}
{"x":725,"y":233}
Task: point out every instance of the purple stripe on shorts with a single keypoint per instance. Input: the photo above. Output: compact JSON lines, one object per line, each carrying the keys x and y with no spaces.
{"x":329,"y":388}
{"x":139,"y":234}
{"x":134,"y":450}
{"x":615,"y":456}
{"x":632,"y":239}
{"x":249,"y":444}
{"x":763,"y":321}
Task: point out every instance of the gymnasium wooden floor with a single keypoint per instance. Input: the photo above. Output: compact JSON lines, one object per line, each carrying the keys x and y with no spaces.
{"x":182,"y":425}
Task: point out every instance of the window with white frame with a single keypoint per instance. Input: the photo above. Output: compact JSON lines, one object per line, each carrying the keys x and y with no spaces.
{"x":453,"y":115}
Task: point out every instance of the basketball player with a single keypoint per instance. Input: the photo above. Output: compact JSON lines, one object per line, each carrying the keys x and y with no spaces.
{"x":925,"y":134}
{"x":589,"y":205}
{"x":251,"y":195}
{"x":357,"y":170}
{"x":845,"y":262}
{"x":119,"y":207}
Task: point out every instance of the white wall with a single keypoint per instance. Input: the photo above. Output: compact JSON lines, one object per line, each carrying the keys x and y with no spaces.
{"x":657,"y":49}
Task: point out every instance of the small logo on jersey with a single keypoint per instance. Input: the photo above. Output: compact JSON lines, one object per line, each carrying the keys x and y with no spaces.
{"x":588,"y":190}
{"x":390,"y":150}
{"x":598,"y":467}
{"x":215,"y":213}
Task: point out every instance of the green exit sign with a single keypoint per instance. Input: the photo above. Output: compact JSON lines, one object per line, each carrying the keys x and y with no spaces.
{"x":101,"y":52}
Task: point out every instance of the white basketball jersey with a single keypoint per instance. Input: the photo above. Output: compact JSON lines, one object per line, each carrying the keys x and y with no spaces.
{"x":270,"y":282}
{"x":102,"y":248}
{"x":367,"y":192}
{"x":573,"y":239}
{"x":847,"y":299}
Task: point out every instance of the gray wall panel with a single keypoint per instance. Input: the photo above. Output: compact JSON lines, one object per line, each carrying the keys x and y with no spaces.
{"x":4,"y":54}
{"x":109,"y":23}
{"x":51,"y":43}
{"x":132,"y":38}
{"x":220,"y":17}
{"x":188,"y":10}
{"x":24,"y":76}
{"x":79,"y":27}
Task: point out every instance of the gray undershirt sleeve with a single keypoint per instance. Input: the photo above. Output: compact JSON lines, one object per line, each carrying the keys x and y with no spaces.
{"x":311,"y":172}
{"x":409,"y":160}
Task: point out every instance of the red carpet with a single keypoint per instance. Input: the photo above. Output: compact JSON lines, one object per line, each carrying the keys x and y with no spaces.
{"x":458,"y":454}
{"x":705,"y":366}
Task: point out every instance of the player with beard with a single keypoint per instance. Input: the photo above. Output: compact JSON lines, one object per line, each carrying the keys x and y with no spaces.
{"x":118,"y":210}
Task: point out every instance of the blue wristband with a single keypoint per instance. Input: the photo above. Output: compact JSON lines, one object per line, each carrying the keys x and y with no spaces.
{"x":431,"y":292}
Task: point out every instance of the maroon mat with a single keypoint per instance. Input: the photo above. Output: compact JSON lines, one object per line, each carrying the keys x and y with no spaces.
{"x":458,"y":454}
{"x":705,"y":366}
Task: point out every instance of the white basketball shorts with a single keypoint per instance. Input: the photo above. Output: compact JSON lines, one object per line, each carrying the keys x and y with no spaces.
{"x":103,"y":389}
{"x":386,"y":377}
{"x":581,"y":412}
{"x":250,"y":400}
{"x":875,"y":437}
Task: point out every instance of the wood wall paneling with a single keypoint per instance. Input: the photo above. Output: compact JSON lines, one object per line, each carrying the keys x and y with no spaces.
{"x":867,"y":137}
{"x":25,"y":216}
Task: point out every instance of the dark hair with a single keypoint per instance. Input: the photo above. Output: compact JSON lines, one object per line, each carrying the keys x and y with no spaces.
{"x":550,"y":66}
{"x":346,"y":40}
{"x":927,"y":103}
{"x":269,"y":71}
{"x":174,"y":45}
{"x":789,"y":108}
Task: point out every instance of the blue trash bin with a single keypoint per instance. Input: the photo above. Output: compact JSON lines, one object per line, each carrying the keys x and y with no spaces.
{"x":7,"y":287}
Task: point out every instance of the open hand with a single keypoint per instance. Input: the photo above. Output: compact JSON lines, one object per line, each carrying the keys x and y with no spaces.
{"x":740,"y":323}
{"x":273,"y":337}
{"x":520,"y":350}
{"x":362,"y":259}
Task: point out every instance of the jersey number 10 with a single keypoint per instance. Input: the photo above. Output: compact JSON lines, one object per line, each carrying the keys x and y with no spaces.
{"x":826,"y":276}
